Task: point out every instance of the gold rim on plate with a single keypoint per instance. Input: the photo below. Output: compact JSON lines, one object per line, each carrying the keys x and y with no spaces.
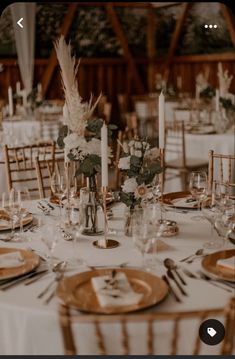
{"x":28,"y":218}
{"x":210,"y":265}
{"x":31,"y":261}
{"x":77,"y":291}
{"x":171,"y":199}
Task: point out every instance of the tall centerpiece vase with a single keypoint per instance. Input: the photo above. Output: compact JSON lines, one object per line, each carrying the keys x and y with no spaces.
{"x":129,"y":221}
{"x":89,"y":209}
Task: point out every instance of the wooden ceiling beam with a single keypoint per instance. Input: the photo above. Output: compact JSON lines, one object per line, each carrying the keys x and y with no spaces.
{"x":151,"y":48}
{"x":229,"y":22}
{"x":124,"y":43}
{"x":52,"y":62}
{"x":175,"y":38}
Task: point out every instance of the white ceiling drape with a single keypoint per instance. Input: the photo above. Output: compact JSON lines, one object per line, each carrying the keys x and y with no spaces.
{"x":25,"y":40}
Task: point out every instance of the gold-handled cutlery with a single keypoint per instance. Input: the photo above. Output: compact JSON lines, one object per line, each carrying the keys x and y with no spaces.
{"x":13,"y":282}
{"x":59,"y":269}
{"x":177,"y":298}
{"x":199,"y":252}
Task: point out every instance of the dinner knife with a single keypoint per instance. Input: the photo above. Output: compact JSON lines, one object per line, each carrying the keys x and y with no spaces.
{"x":16,"y":281}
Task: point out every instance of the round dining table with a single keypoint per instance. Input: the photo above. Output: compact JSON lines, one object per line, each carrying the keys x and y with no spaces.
{"x":30,"y":327}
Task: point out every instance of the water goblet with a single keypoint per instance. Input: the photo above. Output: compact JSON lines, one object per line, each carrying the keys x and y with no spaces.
{"x":198,"y":189}
{"x":211,"y":212}
{"x":58,"y":187}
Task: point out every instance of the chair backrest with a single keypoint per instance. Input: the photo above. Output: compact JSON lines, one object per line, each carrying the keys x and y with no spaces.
{"x":221,"y":167}
{"x":20,"y":166}
{"x":148,"y":332}
{"x":45,"y":169}
{"x":175,"y":141}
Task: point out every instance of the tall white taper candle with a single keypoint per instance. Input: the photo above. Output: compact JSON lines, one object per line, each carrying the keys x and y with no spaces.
{"x":104,"y":156}
{"x":161,"y":120}
{"x":18,"y":88}
{"x":10,"y":100}
{"x":217,"y":100}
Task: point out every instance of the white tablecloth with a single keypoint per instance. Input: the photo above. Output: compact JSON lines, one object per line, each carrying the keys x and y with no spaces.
{"x":28,"y":327}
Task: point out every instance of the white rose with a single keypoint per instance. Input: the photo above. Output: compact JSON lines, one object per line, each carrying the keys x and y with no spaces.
{"x":124,"y":163}
{"x":131,"y":143}
{"x":138,"y":153}
{"x":138,"y":145}
{"x":129,"y":185}
{"x":71,"y":141}
{"x":132,"y":151}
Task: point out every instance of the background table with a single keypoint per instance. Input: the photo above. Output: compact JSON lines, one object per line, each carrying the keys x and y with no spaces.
{"x":28,"y":327}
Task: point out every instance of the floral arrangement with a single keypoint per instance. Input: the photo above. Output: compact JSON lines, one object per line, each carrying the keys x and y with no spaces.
{"x":140,"y":165}
{"x":79,"y":135}
{"x":207,"y":93}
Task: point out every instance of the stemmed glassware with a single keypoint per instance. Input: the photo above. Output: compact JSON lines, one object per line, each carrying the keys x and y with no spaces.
{"x":58,"y":187}
{"x":225,"y":223}
{"x":211,"y":212}
{"x":198,"y":188}
{"x":22,"y":196}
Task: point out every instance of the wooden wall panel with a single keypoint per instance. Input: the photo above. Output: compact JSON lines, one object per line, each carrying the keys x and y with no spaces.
{"x":112,"y":76}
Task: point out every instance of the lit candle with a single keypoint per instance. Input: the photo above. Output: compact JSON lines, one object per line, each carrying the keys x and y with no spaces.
{"x":104,"y":156}
{"x":161,"y":120}
{"x":10,"y":100}
{"x":18,"y":88}
{"x":217,"y":100}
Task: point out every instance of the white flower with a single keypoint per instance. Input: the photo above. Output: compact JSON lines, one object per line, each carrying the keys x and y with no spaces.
{"x":71,"y":141}
{"x":142,"y":191}
{"x":124,"y":163}
{"x":138,"y":153}
{"x":94,"y":147}
{"x":129,"y":185}
{"x":132,"y":151}
{"x":138,"y":145}
{"x":131,"y":143}
{"x":152,"y":154}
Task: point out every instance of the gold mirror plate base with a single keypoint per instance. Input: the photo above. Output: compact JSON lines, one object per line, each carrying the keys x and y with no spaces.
{"x":110,"y":243}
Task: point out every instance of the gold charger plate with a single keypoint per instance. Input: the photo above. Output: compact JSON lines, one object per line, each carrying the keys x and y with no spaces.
{"x":171,"y":199}
{"x":31,"y":261}
{"x":209,"y":264}
{"x":77,"y":291}
{"x":26,"y":220}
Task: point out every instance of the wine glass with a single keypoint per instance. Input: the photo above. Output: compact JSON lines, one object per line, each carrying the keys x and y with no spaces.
{"x":198,"y":188}
{"x":225,"y":223}
{"x":143,"y":233}
{"x":211,"y":212}
{"x":12,"y":207}
{"x":22,"y":196}
{"x":49,"y":236}
{"x":58,"y":187}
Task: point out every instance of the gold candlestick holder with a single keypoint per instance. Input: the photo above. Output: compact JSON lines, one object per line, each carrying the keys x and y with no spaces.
{"x":105,"y":243}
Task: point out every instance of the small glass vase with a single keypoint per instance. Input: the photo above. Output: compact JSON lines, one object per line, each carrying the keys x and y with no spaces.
{"x":129,"y":222}
{"x":89,"y":208}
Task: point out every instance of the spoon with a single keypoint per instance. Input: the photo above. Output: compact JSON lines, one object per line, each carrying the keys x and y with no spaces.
{"x":199,"y":252}
{"x":171,"y":265}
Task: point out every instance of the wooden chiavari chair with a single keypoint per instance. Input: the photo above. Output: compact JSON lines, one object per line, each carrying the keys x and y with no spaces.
{"x":153,"y":322}
{"x":20,"y":166}
{"x":175,"y":154}
{"x":222,"y":169}
{"x":45,"y":169}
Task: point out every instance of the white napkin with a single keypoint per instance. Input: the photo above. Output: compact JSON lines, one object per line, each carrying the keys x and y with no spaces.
{"x":228,"y":263}
{"x":12,"y":259}
{"x":183,"y":202}
{"x":121,"y":295}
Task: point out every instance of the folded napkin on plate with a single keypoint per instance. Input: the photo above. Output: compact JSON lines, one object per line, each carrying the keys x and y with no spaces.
{"x":12,"y":259}
{"x":185,"y":202}
{"x":115,"y":291}
{"x":4,"y":216}
{"x":228,"y":263}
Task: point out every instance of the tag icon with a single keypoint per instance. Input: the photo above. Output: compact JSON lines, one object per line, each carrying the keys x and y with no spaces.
{"x":211,"y":332}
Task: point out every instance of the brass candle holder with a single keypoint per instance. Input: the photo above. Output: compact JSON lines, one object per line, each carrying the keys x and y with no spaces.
{"x":105,"y":243}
